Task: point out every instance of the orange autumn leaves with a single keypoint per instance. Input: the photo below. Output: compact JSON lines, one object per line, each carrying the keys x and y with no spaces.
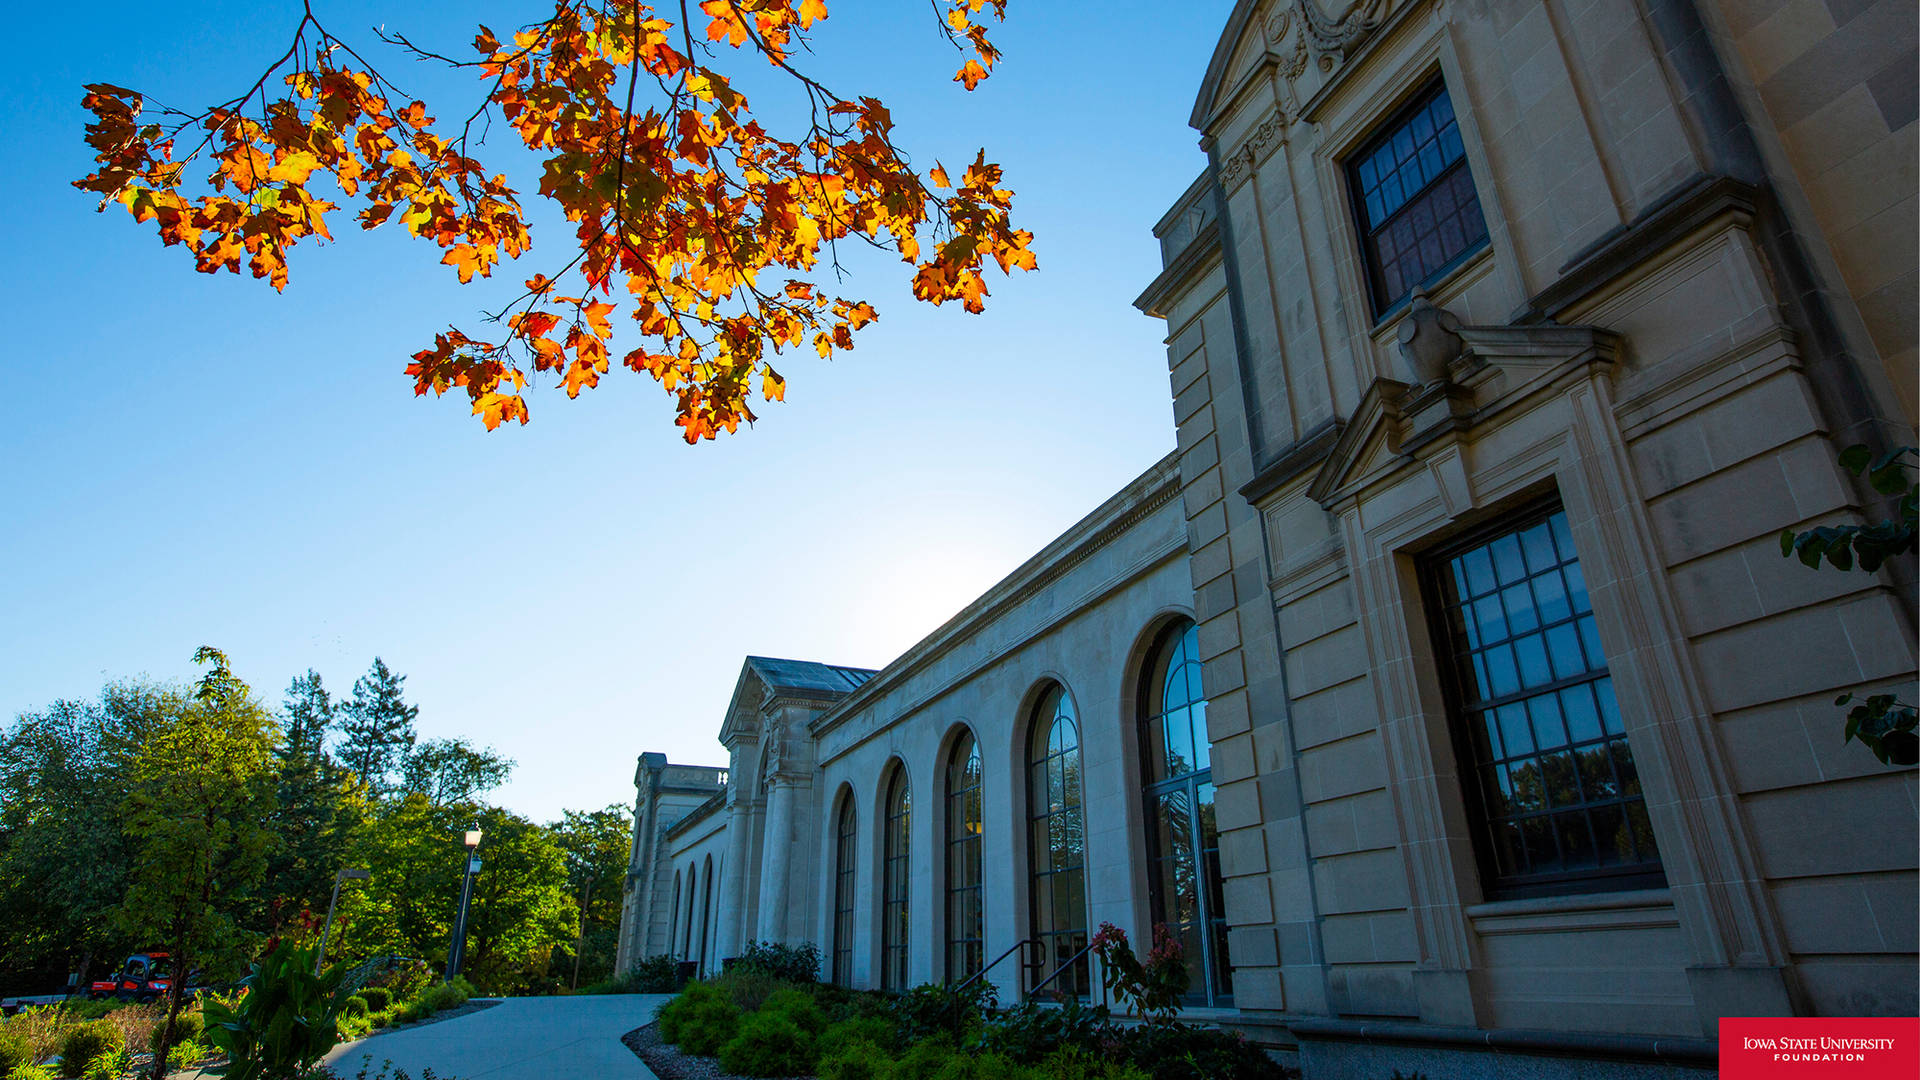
{"x":690,"y":217}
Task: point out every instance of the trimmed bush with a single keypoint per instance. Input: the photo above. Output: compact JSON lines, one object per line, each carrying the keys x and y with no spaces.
{"x":769,"y":1044}
{"x":799,"y":1007}
{"x":924,"y":1058}
{"x":1180,"y":1052}
{"x":699,"y":1021}
{"x":854,"y":1059}
{"x":447,"y":995}
{"x":84,"y":1042}
{"x":187,"y":1027}
{"x":378,"y":998}
{"x":871,"y":1030}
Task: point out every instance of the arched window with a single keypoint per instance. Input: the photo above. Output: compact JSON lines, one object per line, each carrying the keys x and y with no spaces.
{"x":1057,"y":839}
{"x":673,"y":917}
{"x":1183,"y":845}
{"x":693,"y":896}
{"x":706,"y":912}
{"x":965,"y":924}
{"x":843,"y":894}
{"x":893,"y":918}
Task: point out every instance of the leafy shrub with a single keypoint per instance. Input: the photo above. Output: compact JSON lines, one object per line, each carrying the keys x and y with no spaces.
{"x":1080,"y":1063}
{"x":407,"y":979}
{"x":924,"y":1059}
{"x":853,"y":1059}
{"x":14,"y":1052}
{"x":1154,"y":987}
{"x":842,"y":1003}
{"x":31,"y":1072}
{"x":1183,"y":1052}
{"x":357,"y":1007}
{"x":933,"y":1009}
{"x":186,"y":1055}
{"x":84,"y":1042}
{"x":448,"y":995}
{"x":1029,"y":1032}
{"x":749,"y":988}
{"x":378,"y":1020}
{"x":769,"y":1043}
{"x":874,"y":1031}
{"x":286,"y":1021}
{"x":654,"y":975}
{"x":188,"y":1026}
{"x":799,"y":1007}
{"x":700,"y":1020}
{"x":794,"y":963}
{"x":413,"y":1011}
{"x":378,"y":998}
{"x":981,"y":1067}
{"x":109,"y":1066}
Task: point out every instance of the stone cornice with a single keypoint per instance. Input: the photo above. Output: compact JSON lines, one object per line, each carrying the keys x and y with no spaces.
{"x":1197,"y":256}
{"x":1156,"y":487}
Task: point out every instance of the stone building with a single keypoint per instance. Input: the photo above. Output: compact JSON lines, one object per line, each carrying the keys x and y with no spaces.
{"x":1504,"y":338}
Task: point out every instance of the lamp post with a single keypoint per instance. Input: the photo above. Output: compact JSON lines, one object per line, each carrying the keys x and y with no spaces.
{"x":459,"y":946}
{"x":580,"y":943}
{"x":345,"y":874}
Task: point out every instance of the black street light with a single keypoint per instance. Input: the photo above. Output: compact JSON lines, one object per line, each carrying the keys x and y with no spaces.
{"x":459,"y":948}
{"x":346,"y":874}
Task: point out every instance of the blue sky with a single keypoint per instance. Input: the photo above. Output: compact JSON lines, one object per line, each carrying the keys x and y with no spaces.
{"x":196,"y":460}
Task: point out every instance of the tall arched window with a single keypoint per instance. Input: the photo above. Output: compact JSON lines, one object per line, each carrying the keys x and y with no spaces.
{"x":693,"y":902}
{"x":965,"y":925}
{"x":1057,"y":840}
{"x":673,"y":918}
{"x":1183,"y":845}
{"x":893,"y":916}
{"x":844,"y":842}
{"x":706,"y":911}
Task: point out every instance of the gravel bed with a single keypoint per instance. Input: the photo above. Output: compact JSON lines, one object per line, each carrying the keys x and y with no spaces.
{"x":668,"y":1063}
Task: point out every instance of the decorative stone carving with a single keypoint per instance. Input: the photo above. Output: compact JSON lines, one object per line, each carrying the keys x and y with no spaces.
{"x":1430,"y":340}
{"x":1340,"y":37}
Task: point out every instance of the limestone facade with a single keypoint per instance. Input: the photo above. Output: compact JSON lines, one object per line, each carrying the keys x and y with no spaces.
{"x":1578,"y":297}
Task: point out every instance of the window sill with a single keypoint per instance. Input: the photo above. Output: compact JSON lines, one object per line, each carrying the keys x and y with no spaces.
{"x":1587,"y":911}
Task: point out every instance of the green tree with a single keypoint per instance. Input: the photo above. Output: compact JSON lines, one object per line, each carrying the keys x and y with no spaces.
{"x":64,"y":773}
{"x":413,"y":851}
{"x":202,"y":789}
{"x":377,"y":732}
{"x":453,"y":771}
{"x":597,"y":844}
{"x":316,"y":808}
{"x":522,"y":908}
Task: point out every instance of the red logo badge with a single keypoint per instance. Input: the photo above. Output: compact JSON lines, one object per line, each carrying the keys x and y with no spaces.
{"x":1819,"y":1048}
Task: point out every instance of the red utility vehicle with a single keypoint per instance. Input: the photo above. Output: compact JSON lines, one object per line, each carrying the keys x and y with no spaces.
{"x":144,"y":977}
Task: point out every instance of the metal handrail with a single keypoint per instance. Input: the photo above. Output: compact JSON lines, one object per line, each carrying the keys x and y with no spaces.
{"x":1071,"y":960}
{"x":982,"y":973}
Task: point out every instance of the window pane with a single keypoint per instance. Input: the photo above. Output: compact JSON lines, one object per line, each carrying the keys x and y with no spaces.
{"x":1552,"y":771}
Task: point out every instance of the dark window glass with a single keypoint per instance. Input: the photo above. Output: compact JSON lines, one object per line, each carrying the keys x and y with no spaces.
{"x":965,"y":925}
{"x":893,"y":921}
{"x":1419,"y":213}
{"x":843,"y":880}
{"x":1057,"y":843}
{"x":1548,"y":765}
{"x":1183,"y":846}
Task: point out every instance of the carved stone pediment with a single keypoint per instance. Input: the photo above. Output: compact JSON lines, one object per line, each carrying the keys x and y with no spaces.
{"x":1398,"y":422}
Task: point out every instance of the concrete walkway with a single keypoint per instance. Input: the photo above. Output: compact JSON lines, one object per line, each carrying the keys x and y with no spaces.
{"x":541,"y":1038}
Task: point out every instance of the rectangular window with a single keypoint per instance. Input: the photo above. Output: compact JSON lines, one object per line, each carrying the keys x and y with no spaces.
{"x":1419,"y":213}
{"x":1544,"y":759}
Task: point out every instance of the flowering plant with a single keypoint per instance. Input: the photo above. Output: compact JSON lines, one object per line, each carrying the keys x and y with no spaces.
{"x":1152,"y":989}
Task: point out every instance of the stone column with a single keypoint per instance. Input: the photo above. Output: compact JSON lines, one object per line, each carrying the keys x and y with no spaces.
{"x":734,"y":876}
{"x":776,"y":856}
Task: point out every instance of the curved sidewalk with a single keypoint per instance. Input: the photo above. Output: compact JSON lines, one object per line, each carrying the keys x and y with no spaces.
{"x":539,"y":1038}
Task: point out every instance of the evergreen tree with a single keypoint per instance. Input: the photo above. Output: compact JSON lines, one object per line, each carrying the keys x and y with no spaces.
{"x":310,"y":715}
{"x":377,"y":734}
{"x":315,"y":809}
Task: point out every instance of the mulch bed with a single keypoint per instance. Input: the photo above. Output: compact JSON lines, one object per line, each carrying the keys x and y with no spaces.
{"x":668,"y":1063}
